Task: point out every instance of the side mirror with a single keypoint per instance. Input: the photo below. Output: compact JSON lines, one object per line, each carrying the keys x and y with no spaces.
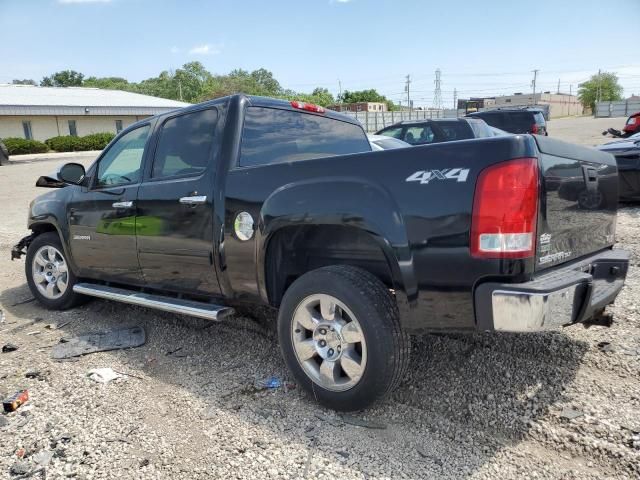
{"x":72,"y":173}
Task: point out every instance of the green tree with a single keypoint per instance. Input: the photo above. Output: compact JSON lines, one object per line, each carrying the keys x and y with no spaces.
{"x":370,"y":95}
{"x":319,"y":96}
{"x":64,"y":78}
{"x":23,"y":82}
{"x":603,"y":86}
{"x":109,"y":83}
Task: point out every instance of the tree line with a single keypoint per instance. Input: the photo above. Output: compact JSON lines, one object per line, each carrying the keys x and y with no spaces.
{"x":194,"y":83}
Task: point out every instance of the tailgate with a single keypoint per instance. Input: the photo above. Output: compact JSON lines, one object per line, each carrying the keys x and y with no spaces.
{"x":579,"y":202}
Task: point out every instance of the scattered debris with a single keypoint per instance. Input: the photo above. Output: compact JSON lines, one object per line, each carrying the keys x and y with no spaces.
{"x":102,"y":375}
{"x":570,"y":413}
{"x":99,"y":342}
{"x":359,"y":422}
{"x":333,"y":421}
{"x":43,"y":457}
{"x":171,"y":352}
{"x":35,"y":332}
{"x":21,"y":467}
{"x":9,"y":347}
{"x":606,"y":347}
{"x":38,"y":374}
{"x":144,"y":462}
{"x":22,"y":302}
{"x":433,"y":458}
{"x":12,"y":403}
{"x":343,"y":453}
{"x":2,"y":317}
{"x":268,"y":383}
{"x":20,"y":453}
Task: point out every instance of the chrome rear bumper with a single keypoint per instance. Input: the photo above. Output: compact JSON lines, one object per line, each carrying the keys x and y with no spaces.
{"x":570,"y":294}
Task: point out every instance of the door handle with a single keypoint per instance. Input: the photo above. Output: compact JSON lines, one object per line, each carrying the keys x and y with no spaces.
{"x":128,"y":204}
{"x":197,"y":200}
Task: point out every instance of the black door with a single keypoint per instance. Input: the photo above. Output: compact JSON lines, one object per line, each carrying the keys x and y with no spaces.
{"x":175,"y":206}
{"x":102,"y":217}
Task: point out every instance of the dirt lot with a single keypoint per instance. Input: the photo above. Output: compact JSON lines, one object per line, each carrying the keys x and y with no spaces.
{"x":563,"y":404}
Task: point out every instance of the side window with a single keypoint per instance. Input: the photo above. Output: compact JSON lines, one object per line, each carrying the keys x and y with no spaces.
{"x":185,"y":144}
{"x":419,"y":135}
{"x":395,"y":132}
{"x":271,"y":135}
{"x":122,"y":163}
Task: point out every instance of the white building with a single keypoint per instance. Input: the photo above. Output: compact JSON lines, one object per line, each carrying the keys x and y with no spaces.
{"x":27,"y":111}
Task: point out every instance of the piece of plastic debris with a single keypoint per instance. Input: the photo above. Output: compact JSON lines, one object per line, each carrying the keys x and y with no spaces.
{"x":606,"y":347}
{"x":103,"y":375}
{"x":269,"y":382}
{"x":99,"y":342}
{"x":12,"y":403}
{"x":43,"y":457}
{"x":359,"y":422}
{"x":570,"y":413}
{"x":9,"y":347}
{"x":20,"y":452}
{"x":2,"y":317}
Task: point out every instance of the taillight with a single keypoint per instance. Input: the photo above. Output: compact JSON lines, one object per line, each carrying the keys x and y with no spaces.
{"x":309,"y":107}
{"x":534,"y":128}
{"x":505,"y":209}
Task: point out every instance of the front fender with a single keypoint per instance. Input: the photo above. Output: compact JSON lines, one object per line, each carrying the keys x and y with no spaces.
{"x":351,"y":202}
{"x":50,"y":210}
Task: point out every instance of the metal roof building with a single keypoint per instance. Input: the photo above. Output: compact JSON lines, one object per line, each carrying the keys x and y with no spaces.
{"x":29,"y":111}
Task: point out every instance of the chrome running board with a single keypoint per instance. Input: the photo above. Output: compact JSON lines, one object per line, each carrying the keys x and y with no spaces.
{"x":204,"y":310}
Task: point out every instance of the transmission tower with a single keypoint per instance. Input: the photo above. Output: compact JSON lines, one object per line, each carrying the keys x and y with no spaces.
{"x":437,"y":93}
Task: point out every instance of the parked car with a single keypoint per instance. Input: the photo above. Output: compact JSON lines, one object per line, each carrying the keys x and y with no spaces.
{"x":381,"y":142}
{"x":265,"y":203}
{"x":627,"y":153}
{"x":516,"y":120}
{"x":437,"y":130}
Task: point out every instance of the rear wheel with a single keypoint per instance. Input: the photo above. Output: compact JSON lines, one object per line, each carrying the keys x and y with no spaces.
{"x":49,"y":277}
{"x":340,"y":336}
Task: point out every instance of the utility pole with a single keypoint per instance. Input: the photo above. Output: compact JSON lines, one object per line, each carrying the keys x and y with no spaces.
{"x":340,"y":94}
{"x":533,"y":84}
{"x":455,"y":100}
{"x":407,"y":88}
{"x":599,"y":91}
{"x":558,"y":86}
{"x":180,"y":89}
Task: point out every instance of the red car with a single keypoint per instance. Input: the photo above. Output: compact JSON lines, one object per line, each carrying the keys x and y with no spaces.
{"x":633,"y":125}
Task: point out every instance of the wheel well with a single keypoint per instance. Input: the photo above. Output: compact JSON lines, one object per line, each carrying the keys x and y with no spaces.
{"x":293,"y":251}
{"x":41,"y":228}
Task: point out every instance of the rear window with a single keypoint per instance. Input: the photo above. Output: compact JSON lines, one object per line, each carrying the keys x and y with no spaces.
{"x":539,"y":118}
{"x":272,"y":135}
{"x":454,"y":130}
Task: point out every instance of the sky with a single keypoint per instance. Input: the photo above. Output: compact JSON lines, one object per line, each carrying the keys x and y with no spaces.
{"x":482,"y":48}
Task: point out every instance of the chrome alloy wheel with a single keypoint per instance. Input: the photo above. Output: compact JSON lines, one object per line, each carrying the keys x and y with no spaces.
{"x":328,"y":342}
{"x":49,"y":270}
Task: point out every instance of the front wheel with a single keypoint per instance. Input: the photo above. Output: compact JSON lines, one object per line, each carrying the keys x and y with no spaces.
{"x":49,"y":277}
{"x":340,"y":336}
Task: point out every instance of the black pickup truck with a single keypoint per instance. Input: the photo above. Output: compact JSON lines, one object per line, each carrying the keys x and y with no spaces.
{"x":249,"y":201}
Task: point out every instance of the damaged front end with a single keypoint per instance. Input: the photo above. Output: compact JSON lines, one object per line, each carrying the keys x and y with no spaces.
{"x":20,"y":248}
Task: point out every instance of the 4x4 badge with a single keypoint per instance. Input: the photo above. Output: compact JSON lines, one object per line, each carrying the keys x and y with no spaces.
{"x":425,"y":176}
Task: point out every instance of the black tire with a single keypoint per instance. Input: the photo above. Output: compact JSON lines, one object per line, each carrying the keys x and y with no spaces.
{"x":69,"y":298}
{"x":377,"y":313}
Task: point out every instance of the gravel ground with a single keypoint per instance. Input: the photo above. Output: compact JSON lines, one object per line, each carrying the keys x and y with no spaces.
{"x":552,"y":405}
